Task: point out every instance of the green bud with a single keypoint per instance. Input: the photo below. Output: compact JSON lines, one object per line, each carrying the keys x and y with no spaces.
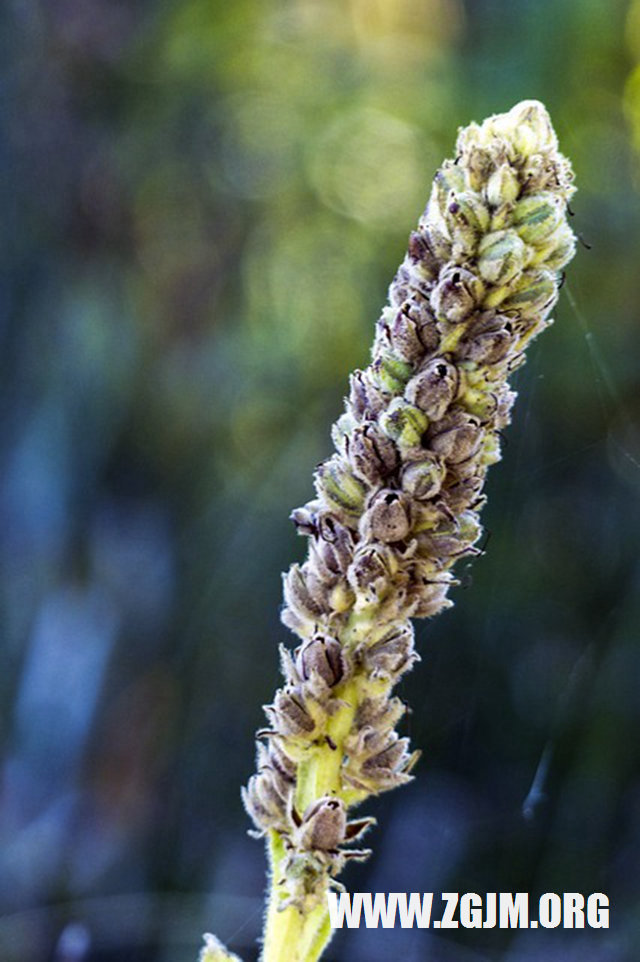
{"x":503,"y":186}
{"x":537,"y":216}
{"x":390,"y":374}
{"x":534,"y":294}
{"x":340,"y":489}
{"x":500,"y":256}
{"x":466,"y":209}
{"x":404,"y":423}
{"x":559,"y":249}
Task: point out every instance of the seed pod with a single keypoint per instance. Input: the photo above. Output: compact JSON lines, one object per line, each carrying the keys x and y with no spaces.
{"x":289,"y":714}
{"x":387,"y":517}
{"x":404,"y":423}
{"x":456,"y":295}
{"x":393,"y":654}
{"x":373,"y":569}
{"x":452,"y":538}
{"x":365,"y":400}
{"x":503,"y":186}
{"x":536,"y":217}
{"x":430,"y":598}
{"x":488,"y":343}
{"x":323,"y":825}
{"x":298,"y":597}
{"x":422,"y":478}
{"x":420,"y":253}
{"x":434,"y":388}
{"x":372,"y":455}
{"x":412,"y":337}
{"x":456,"y":437}
{"x":501,"y":255}
{"x":321,"y":655}
{"x":340,"y":490}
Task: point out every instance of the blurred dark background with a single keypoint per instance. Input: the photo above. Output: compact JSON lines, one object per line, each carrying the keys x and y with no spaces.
{"x":203,"y":203}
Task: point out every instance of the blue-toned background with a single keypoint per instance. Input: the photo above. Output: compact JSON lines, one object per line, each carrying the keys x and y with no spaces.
{"x":202,"y":204}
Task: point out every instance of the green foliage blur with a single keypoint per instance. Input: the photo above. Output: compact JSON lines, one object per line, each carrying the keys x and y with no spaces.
{"x":203,"y":204}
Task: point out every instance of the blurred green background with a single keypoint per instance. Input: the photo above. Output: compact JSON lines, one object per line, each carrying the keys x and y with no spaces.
{"x":202,"y":206}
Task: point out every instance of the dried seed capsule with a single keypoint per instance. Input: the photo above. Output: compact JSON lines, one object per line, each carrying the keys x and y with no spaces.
{"x":404,"y":423}
{"x":489,"y":343}
{"x":411,"y":337}
{"x":373,"y":569}
{"x":323,"y":825}
{"x":434,"y":388}
{"x":372,"y":455}
{"x":387,"y":517}
{"x":430,"y":598}
{"x":298,"y":597}
{"x":393,"y":654}
{"x":365,"y":400}
{"x":501,"y":255}
{"x":457,"y":294}
{"x":456,"y":437}
{"x":423,"y":478}
{"x":421,"y":254}
{"x":321,"y":655}
{"x":289,"y":713}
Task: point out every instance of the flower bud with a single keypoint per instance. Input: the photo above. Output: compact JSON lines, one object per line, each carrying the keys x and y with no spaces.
{"x":530,"y":128}
{"x":404,"y":423}
{"x":340,"y":490}
{"x":537,"y":216}
{"x":503,"y":186}
{"x":501,"y":255}
{"x":466,"y":209}
{"x":365,"y":400}
{"x":321,"y":655}
{"x":387,"y":517}
{"x":558,"y":250}
{"x":434,"y":388}
{"x":371,"y":454}
{"x":457,"y":294}
{"x":422,"y":478}
{"x":478,"y":168}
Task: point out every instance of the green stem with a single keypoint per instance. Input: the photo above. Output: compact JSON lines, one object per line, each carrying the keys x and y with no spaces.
{"x":291,"y":935}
